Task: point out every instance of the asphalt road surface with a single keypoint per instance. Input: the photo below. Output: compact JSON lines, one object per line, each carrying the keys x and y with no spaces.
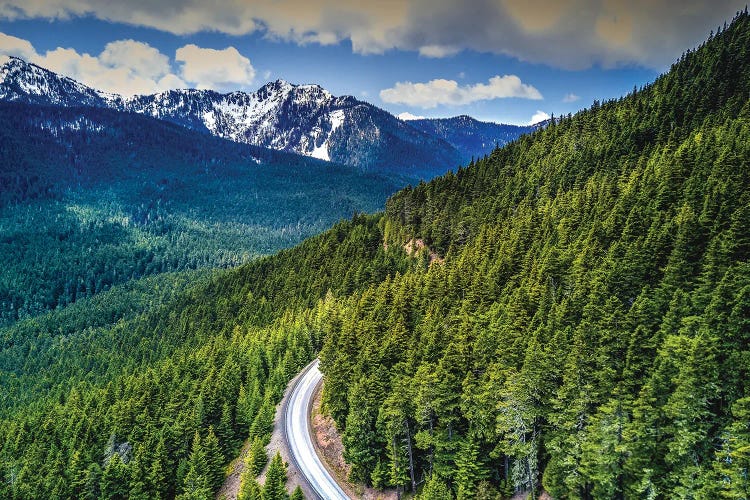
{"x":297,"y":432}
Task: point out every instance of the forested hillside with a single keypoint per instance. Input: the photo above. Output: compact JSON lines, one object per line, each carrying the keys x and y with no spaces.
{"x":90,"y":198}
{"x":588,"y":329}
{"x":570,"y":313}
{"x":156,"y":404}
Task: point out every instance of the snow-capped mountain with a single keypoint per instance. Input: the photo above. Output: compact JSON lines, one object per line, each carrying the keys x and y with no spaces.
{"x":303,"y":119}
{"x":26,"y":82}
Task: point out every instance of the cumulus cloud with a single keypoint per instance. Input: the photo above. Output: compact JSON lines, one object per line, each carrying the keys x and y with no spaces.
{"x":539,"y":116}
{"x":212,"y":69}
{"x":571,"y":97}
{"x":572,"y":34}
{"x":440,"y":91}
{"x":129,"y":67}
{"x":18,"y":47}
{"x":125,"y":67}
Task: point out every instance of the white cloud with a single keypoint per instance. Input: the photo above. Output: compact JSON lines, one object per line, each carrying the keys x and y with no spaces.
{"x":18,"y":47}
{"x":572,"y":34}
{"x":437,"y":51}
{"x":539,"y":116}
{"x":124,"y":67}
{"x":440,"y":91}
{"x":214,"y":69}
{"x":406,"y":116}
{"x":129,"y":67}
{"x":571,"y":97}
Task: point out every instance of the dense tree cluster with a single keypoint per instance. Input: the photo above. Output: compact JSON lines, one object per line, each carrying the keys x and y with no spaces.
{"x":156,"y":403}
{"x":587,"y":331}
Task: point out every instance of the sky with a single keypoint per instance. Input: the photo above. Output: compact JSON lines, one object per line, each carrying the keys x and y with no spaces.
{"x":508,"y":61}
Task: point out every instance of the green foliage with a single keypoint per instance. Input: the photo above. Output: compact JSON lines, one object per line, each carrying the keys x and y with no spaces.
{"x":153,"y":381}
{"x":249,"y":487}
{"x":256,"y":458}
{"x":297,"y":494}
{"x":583,"y":323}
{"x":275,"y":486}
{"x":435,"y":489}
{"x":119,"y":196}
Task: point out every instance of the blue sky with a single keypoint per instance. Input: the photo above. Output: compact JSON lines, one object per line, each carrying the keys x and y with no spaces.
{"x":503,"y":63}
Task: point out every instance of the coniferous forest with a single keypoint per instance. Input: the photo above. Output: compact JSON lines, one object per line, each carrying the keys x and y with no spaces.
{"x":570,"y":313}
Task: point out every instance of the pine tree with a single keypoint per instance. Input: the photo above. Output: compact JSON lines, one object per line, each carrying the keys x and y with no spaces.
{"x":225,"y":429}
{"x":359,"y":435}
{"x":733,"y":460}
{"x":470,"y":470}
{"x":275,"y":487}
{"x":196,"y":484}
{"x":115,"y":478}
{"x":256,"y":457}
{"x":263,"y":422}
{"x":158,"y":474}
{"x":435,"y":489}
{"x":249,"y":488}
{"x":297,"y":494}
{"x":214,"y":460}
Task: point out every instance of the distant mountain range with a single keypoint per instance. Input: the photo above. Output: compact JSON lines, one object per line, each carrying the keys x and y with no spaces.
{"x":472,"y":138}
{"x":302,"y":119}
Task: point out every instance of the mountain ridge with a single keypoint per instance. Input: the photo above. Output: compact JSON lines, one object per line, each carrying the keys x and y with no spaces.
{"x":302,"y":119}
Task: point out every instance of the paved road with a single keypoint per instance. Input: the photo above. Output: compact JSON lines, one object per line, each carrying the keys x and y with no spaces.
{"x":297,"y":434}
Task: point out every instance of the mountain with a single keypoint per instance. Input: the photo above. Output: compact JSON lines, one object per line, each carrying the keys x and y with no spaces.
{"x":91,"y":197}
{"x":472,"y":138}
{"x":568,"y":314}
{"x":25,"y":82}
{"x":302,"y":119}
{"x":308,"y":120}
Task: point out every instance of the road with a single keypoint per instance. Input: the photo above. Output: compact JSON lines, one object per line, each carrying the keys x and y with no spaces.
{"x":299,"y":440}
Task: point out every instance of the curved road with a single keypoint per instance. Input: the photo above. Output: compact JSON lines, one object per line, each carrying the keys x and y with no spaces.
{"x":297,"y":433}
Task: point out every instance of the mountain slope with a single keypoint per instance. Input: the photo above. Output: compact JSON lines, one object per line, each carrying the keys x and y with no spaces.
{"x":26,"y":82}
{"x":91,"y":197}
{"x":472,"y":138}
{"x":303,"y":119}
{"x":568,"y":313}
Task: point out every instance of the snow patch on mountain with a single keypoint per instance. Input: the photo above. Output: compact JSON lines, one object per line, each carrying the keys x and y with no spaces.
{"x":335,"y":120}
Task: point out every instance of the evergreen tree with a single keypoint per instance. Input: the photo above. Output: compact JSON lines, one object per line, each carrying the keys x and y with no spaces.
{"x":435,"y":489}
{"x":275,"y":486}
{"x":115,"y":478}
{"x":249,"y":488}
{"x":256,"y":458}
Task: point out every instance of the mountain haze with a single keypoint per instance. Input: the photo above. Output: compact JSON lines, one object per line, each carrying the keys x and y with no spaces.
{"x":91,"y":197}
